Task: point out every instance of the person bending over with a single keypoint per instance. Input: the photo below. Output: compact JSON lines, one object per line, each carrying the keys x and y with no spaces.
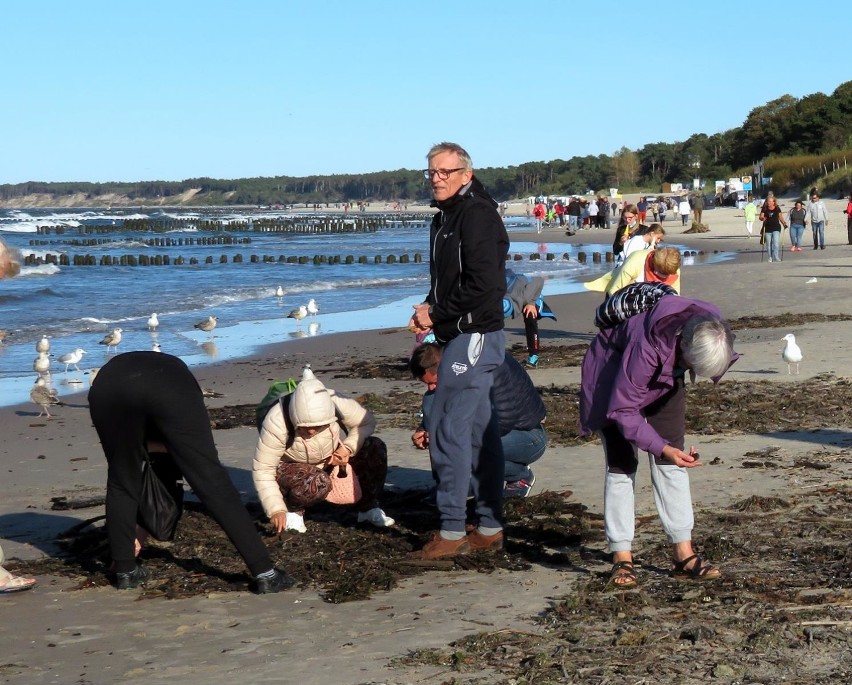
{"x":149,"y":402}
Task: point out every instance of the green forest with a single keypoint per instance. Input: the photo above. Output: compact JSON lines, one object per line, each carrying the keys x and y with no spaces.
{"x":802,"y":142}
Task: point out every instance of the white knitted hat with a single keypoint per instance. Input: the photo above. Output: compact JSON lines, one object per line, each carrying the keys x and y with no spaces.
{"x":311,"y":403}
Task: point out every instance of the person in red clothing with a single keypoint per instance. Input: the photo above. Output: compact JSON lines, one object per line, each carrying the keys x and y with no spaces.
{"x":538,"y":215}
{"x":848,"y":213}
{"x":559,"y":210}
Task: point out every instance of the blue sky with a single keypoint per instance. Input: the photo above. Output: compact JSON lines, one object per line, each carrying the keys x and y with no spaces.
{"x":102,"y":90}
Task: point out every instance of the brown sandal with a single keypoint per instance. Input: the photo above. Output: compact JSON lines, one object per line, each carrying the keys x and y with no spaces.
{"x":699,"y":570}
{"x":623,"y":575}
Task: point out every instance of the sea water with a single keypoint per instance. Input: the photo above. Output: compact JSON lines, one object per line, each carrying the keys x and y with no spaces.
{"x":76,"y":306}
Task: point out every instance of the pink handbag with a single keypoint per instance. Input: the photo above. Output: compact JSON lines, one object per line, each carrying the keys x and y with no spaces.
{"x":345,"y":486}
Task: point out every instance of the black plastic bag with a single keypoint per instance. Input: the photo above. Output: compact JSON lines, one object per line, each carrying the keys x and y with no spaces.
{"x":160,"y":506}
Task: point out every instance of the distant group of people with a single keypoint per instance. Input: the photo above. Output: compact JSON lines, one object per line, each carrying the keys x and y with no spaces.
{"x":483,"y":419}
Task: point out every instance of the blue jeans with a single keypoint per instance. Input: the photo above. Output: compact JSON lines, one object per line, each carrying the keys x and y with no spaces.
{"x":818,"y":228}
{"x":796,"y":231}
{"x":520,"y":449}
{"x":773,"y":245}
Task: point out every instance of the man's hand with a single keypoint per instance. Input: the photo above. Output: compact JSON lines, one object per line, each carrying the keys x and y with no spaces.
{"x":420,"y":438}
{"x":421,"y":320}
{"x":680,"y":458}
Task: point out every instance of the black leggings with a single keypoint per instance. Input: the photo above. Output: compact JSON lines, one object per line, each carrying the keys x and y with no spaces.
{"x":141,"y":396}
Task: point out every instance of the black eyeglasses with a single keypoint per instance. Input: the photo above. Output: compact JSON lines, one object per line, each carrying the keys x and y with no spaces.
{"x":443,"y":174}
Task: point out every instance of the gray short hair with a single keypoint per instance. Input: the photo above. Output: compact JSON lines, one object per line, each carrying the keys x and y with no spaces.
{"x":440,"y":148}
{"x":707,"y":345}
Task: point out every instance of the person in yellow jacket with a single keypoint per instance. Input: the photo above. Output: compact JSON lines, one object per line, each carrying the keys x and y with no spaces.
{"x":644,"y":266}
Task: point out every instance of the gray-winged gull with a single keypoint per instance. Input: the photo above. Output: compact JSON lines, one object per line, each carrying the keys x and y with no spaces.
{"x":207,"y":324}
{"x":72,"y":358}
{"x":112,"y":339}
{"x":792,"y":353}
{"x":41,"y":364}
{"x":299,"y":313}
{"x":43,"y":345}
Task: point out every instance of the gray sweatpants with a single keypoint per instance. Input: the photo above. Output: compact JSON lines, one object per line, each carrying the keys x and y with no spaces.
{"x":464,"y":445}
{"x":670,"y":483}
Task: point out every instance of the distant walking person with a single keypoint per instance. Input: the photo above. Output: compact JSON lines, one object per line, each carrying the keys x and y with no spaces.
{"x":817,"y":214}
{"x":848,"y":213}
{"x":698,"y":206}
{"x":772,"y":218}
{"x":797,"y":226}
{"x":683,"y":208}
{"x":750,"y":212}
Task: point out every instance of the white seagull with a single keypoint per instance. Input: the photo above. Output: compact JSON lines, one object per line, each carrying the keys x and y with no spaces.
{"x":41,"y":364}
{"x":112,"y":339}
{"x":279,"y":291}
{"x":153,"y":322}
{"x":43,"y":396}
{"x":72,"y":358}
{"x":207,"y":324}
{"x":298,"y":314}
{"x":792,"y":353}
{"x":812,"y":279}
{"x":313,"y":309}
{"x":43,"y":345}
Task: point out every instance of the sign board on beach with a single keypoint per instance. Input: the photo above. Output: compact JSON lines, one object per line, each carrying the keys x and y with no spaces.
{"x":746,"y":182}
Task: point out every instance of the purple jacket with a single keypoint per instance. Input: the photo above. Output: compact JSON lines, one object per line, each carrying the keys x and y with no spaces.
{"x":628,"y":367}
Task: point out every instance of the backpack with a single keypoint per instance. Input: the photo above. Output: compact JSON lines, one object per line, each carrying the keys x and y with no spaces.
{"x":279,"y":391}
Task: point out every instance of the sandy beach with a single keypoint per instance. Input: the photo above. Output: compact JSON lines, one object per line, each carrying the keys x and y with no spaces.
{"x":55,"y":634}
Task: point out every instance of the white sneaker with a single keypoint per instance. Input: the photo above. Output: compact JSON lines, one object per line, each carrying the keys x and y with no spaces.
{"x":295,"y":522}
{"x":376,"y":517}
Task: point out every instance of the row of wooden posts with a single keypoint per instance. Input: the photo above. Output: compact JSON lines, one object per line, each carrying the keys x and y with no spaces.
{"x":165,"y":260}
{"x":150,"y":242}
{"x":335,"y":224}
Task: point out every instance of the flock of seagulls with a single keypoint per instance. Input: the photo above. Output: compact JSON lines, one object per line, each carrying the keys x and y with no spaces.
{"x":304,"y":310}
{"x":44,"y":396}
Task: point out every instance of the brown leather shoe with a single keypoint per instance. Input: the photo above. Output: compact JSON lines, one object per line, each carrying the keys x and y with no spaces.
{"x":439,"y":548}
{"x":485,"y":543}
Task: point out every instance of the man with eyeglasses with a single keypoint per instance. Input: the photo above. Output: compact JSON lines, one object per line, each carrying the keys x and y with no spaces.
{"x":464,"y":309}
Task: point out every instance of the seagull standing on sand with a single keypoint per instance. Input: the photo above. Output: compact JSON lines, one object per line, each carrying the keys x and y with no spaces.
{"x":298,"y":314}
{"x":44,"y":396}
{"x":112,"y":339}
{"x":153,"y":322}
{"x":43,"y":345}
{"x":41,"y":364}
{"x":207,"y":325}
{"x":279,"y":291}
{"x":72,"y":358}
{"x":792,"y":353}
{"x":313,"y":309}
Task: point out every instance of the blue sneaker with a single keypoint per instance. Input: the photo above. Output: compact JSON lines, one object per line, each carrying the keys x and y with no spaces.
{"x":519,"y":488}
{"x":532,"y":362}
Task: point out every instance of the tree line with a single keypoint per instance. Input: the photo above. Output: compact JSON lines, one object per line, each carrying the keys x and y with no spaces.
{"x":817,"y":127}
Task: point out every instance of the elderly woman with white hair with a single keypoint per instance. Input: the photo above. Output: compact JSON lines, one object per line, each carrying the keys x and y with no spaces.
{"x":632,"y":394}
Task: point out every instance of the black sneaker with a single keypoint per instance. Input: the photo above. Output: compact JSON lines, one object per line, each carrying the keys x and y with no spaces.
{"x":133,"y":579}
{"x":280,"y":581}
